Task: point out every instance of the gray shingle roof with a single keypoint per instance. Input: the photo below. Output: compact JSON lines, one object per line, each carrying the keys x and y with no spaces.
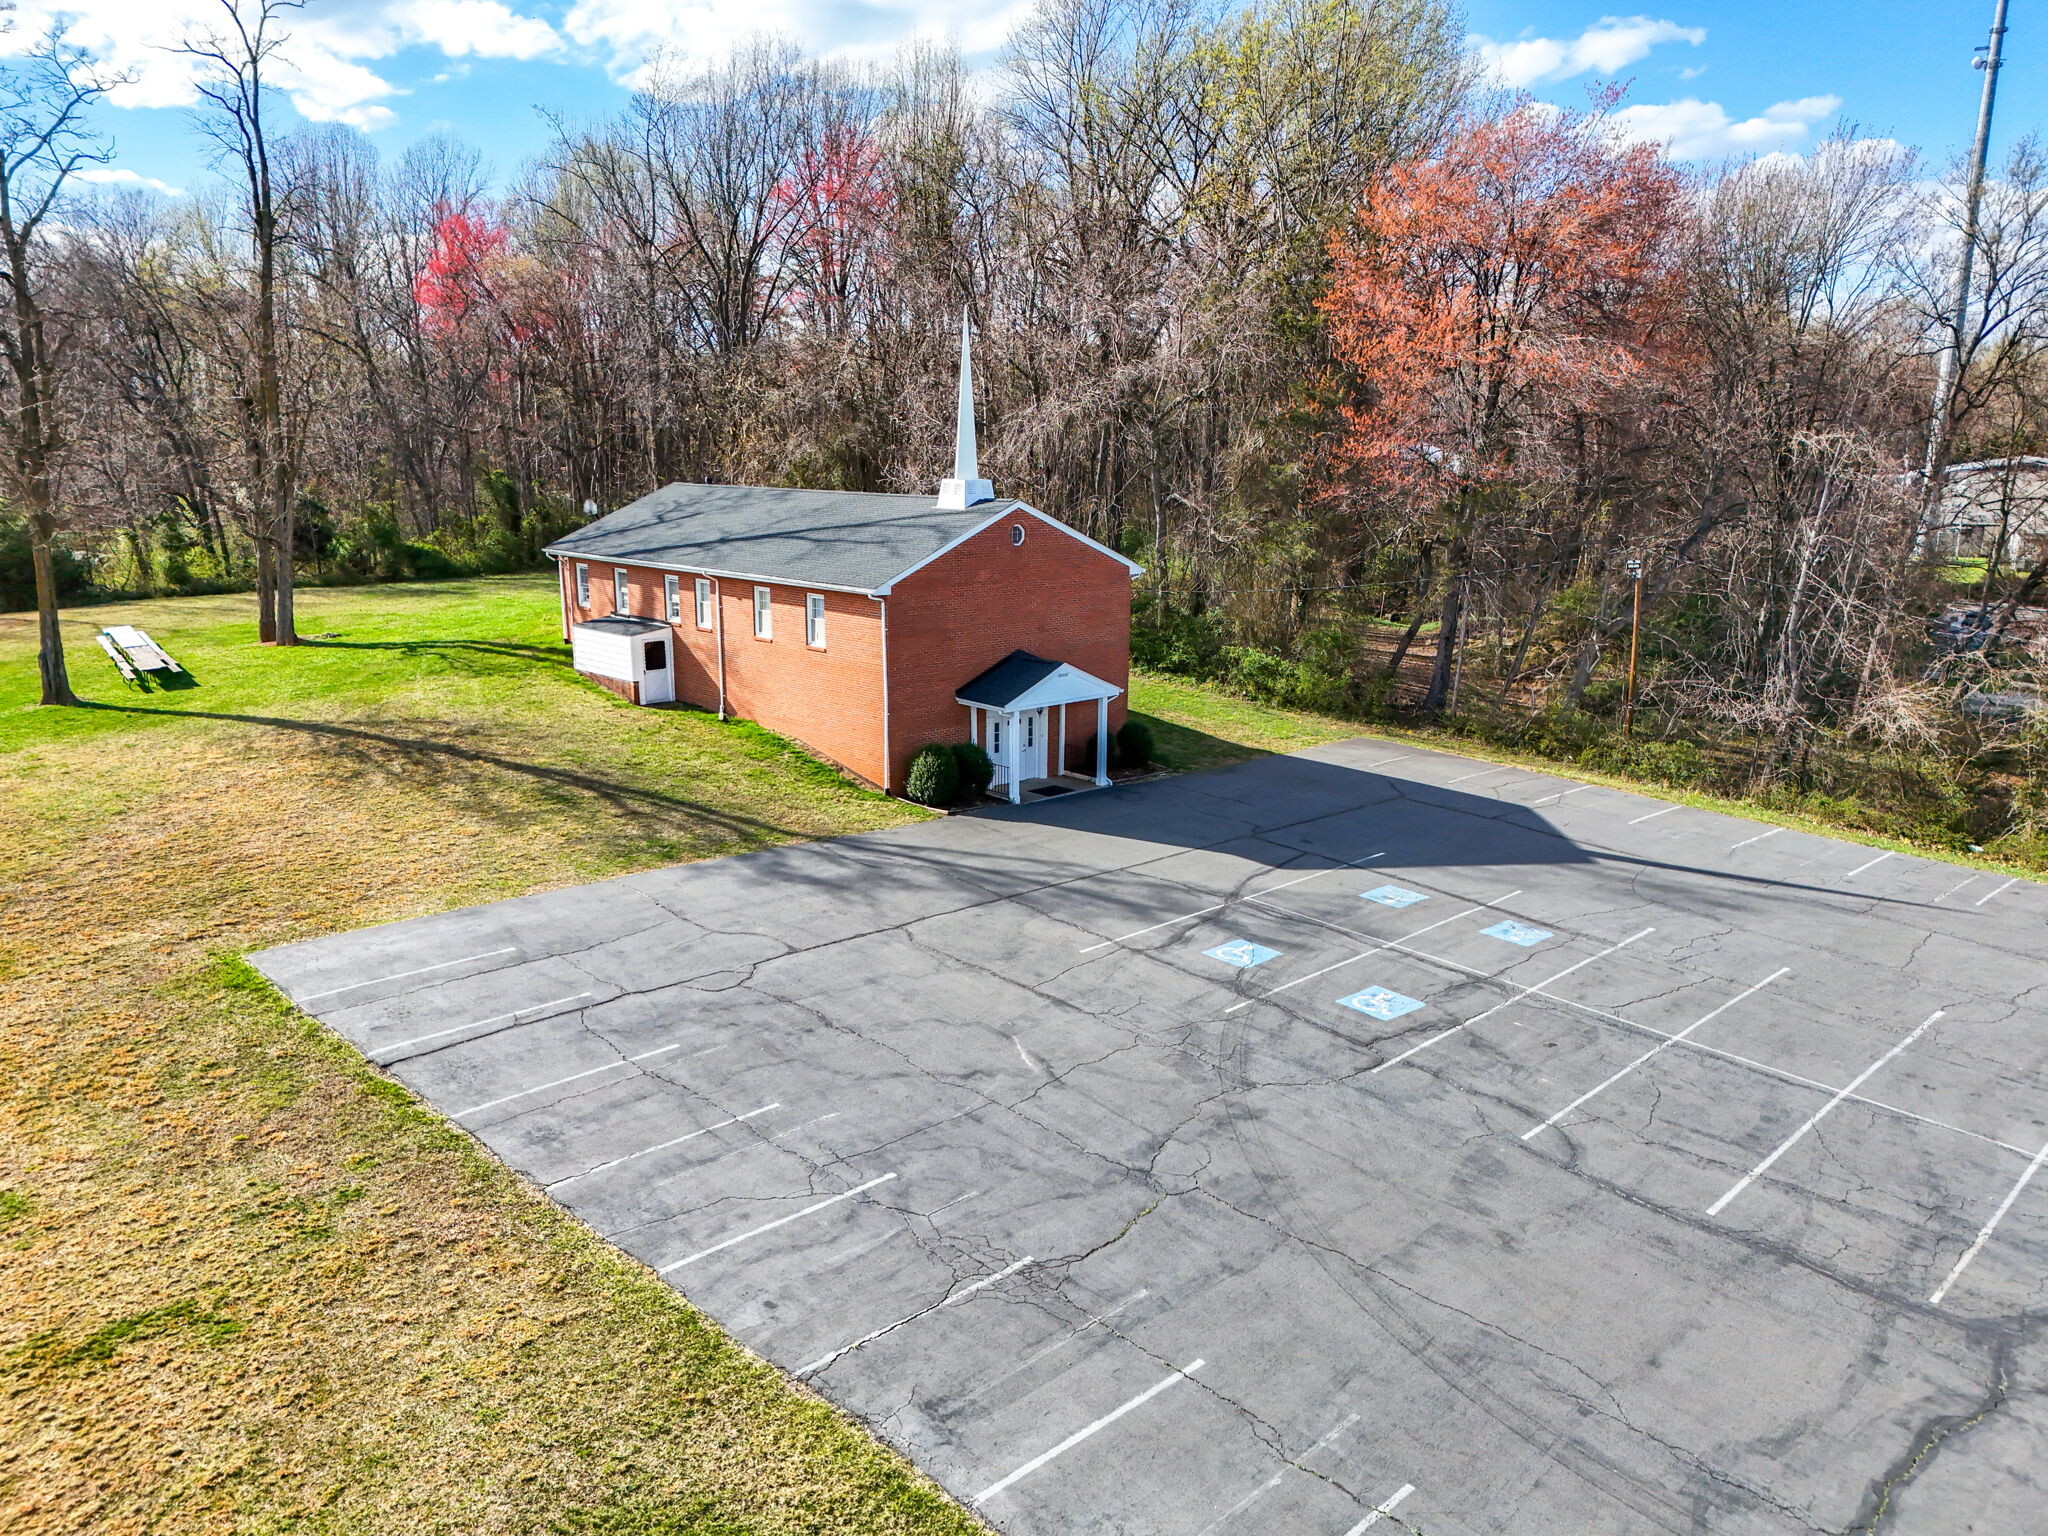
{"x":855,"y":539}
{"x":1011,"y":678}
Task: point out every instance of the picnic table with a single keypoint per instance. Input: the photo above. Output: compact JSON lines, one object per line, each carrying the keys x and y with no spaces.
{"x":134,"y":653}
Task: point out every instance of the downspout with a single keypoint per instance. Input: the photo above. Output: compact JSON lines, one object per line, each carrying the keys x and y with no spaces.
{"x":718,"y":597}
{"x":888,"y":762}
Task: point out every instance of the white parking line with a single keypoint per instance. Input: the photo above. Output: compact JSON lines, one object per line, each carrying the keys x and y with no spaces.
{"x":1815,"y":1118}
{"x":663,"y":1146}
{"x":770,"y":1226}
{"x":1482,"y":773}
{"x":1984,"y":1233}
{"x":1655,"y":814}
{"x":573,"y":1077}
{"x":1220,"y":905}
{"x":2005,"y":887}
{"x":868,"y":1338}
{"x":1665,"y":1044}
{"x":1004,"y":1273}
{"x":1376,"y":948}
{"x":1508,"y":1001}
{"x":1387,"y":1508}
{"x":1567,"y":794}
{"x":502,"y":1018}
{"x":1079,"y":1435}
{"x":1781,"y":1073}
{"x":1773,"y":832}
{"x":401,"y":975}
{"x":1065,"y":1339}
{"x":1944,"y":896}
{"x":1872,"y":864}
{"x":1289,"y":1465}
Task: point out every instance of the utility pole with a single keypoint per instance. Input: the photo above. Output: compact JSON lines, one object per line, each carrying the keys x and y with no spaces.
{"x":1635,"y":635}
{"x":1950,"y":367}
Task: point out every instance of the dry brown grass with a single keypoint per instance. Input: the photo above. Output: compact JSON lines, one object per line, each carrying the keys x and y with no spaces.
{"x":248,"y":1285}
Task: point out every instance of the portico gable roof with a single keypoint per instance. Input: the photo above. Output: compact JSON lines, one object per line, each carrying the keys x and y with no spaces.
{"x":1024,"y":681}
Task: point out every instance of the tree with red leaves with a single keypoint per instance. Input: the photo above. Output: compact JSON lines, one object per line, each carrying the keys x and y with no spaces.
{"x":456,"y":280}
{"x":835,"y":208}
{"x":1484,"y":296}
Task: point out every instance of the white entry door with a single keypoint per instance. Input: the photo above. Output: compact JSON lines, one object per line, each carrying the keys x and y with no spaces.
{"x":657,"y":672}
{"x":1031,"y":744}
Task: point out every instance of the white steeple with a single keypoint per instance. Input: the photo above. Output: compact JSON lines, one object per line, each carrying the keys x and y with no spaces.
{"x":966,"y":487}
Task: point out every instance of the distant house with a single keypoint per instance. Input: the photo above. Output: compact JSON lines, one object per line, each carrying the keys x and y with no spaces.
{"x":865,"y":626}
{"x":1991,"y":506}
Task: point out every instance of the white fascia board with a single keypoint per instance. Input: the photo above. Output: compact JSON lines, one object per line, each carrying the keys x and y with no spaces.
{"x":1074,"y":533}
{"x":1013,"y":510}
{"x":1069,"y":685}
{"x":705,"y":570}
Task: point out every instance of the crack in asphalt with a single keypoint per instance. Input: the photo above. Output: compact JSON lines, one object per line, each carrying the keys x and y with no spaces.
{"x":1222,"y":1048}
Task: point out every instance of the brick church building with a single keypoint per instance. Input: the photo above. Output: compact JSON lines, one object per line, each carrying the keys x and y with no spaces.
{"x":865,"y":626}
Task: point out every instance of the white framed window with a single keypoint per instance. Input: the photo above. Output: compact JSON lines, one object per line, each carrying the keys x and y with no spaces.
{"x":704,"y":619}
{"x":672,"y":598}
{"x":814,"y":620}
{"x":582,"y":586}
{"x":622,"y":592}
{"x":995,"y":737}
{"x":764,"y":614}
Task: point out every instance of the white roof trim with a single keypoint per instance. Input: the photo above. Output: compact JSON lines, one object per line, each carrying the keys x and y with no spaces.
{"x":1069,"y":685}
{"x":1014,"y":509}
{"x":554,"y":553}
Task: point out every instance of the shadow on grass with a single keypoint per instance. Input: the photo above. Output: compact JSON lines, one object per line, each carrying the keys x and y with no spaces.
{"x":1183,"y":749}
{"x":557,"y":655}
{"x":621,"y":797}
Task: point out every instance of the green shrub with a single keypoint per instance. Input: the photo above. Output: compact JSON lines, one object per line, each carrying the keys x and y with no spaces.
{"x":973,"y":768}
{"x":1274,"y":679}
{"x":934,"y":779}
{"x":1134,"y":743}
{"x":17,"y":572}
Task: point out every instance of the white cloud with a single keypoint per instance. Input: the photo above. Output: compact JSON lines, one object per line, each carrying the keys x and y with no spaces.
{"x":325,"y":67}
{"x":635,"y":33}
{"x":1702,"y":130}
{"x":121,"y":176}
{"x":1612,"y":43}
{"x":485,"y":28}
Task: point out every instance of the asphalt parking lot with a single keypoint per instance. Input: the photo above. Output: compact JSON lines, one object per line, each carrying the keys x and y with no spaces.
{"x":1367,"y":1137}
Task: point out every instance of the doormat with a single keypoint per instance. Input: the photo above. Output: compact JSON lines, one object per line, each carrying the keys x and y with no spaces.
{"x":1052,"y":789}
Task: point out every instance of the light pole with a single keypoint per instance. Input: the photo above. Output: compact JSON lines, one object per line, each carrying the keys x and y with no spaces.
{"x":1635,"y":635}
{"x":1951,"y":363}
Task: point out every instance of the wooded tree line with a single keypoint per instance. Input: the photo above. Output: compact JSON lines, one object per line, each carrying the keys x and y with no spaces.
{"x":1369,"y":364}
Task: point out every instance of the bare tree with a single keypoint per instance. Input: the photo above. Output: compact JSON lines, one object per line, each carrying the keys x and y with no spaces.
{"x":43,"y":143}
{"x":237,"y":57}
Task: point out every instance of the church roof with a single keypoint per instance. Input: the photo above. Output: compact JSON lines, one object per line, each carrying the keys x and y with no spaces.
{"x":854,"y":540}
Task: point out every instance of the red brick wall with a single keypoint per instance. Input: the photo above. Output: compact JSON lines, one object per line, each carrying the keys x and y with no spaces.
{"x":829,"y":699}
{"x":1052,"y":595}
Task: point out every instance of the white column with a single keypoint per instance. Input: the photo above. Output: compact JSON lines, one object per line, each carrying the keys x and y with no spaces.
{"x":1014,"y":758}
{"x":1101,"y":742}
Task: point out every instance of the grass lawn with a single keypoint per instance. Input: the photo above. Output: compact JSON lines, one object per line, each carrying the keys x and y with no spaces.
{"x":246,"y":1284}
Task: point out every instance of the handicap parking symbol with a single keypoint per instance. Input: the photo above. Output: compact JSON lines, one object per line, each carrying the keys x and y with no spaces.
{"x":1525,"y":934}
{"x":1393,"y":896}
{"x":1379,"y":1003}
{"x":1242,"y":953}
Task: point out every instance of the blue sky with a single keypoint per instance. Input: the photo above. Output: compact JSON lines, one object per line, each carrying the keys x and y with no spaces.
{"x":1709,"y":77}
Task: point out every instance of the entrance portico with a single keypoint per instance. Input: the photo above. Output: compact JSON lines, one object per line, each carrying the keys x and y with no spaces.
{"x":1023,"y":718}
